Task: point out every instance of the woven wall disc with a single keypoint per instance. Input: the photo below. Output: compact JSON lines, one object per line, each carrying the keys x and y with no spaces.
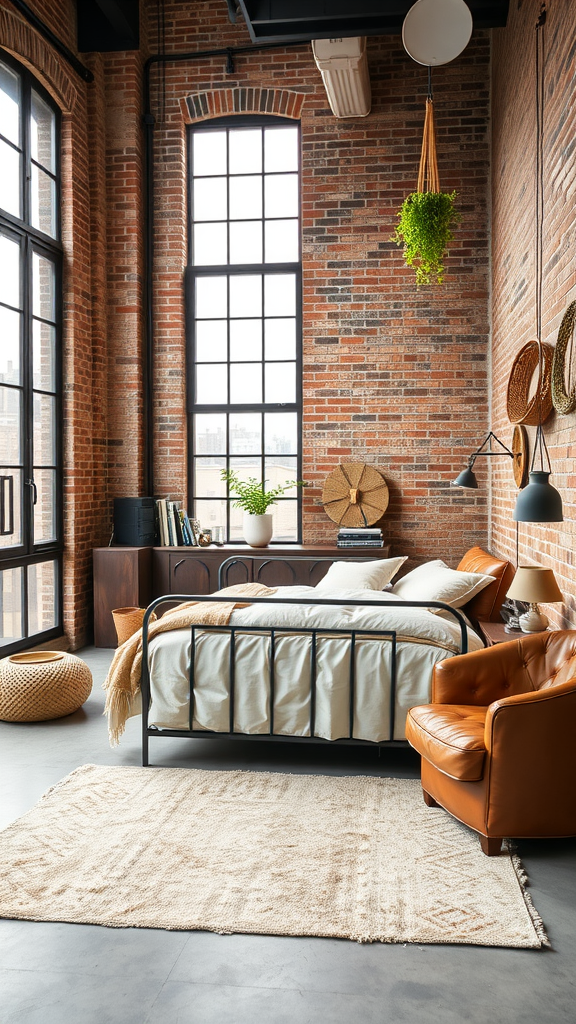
{"x":355,"y":494}
{"x":521,"y":407}
{"x":564,"y":402}
{"x":520,"y":451}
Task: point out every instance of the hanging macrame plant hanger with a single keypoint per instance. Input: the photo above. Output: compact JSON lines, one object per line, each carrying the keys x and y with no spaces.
{"x":428,"y":179}
{"x":426,"y":216}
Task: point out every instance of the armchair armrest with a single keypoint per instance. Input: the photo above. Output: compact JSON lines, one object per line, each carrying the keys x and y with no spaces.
{"x":537,"y":718}
{"x":482,"y":677}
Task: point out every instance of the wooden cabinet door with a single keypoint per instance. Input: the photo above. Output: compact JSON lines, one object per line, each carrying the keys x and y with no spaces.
{"x":122,"y":578}
{"x":189,"y":574}
{"x":277,"y":573}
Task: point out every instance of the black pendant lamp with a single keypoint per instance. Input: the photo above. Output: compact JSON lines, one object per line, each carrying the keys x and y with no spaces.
{"x":539,"y":502}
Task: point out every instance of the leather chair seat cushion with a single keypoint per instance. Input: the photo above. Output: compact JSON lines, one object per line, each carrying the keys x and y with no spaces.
{"x":486,"y":605}
{"x":451,"y":737}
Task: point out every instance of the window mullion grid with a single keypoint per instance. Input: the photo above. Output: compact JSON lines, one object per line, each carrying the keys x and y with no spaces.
{"x":263,"y":363}
{"x":32,"y":239}
{"x":228,"y":375}
{"x":26,"y":168}
{"x":261,"y":408}
{"x":228,"y":206}
{"x":263,"y":222}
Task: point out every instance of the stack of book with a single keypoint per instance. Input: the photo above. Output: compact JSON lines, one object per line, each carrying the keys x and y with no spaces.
{"x":359,"y":537}
{"x":174,"y":528}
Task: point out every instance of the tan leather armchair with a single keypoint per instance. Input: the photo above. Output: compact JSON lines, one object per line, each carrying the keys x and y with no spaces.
{"x":498,"y":741}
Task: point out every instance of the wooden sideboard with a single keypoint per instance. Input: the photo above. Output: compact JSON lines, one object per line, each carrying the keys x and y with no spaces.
{"x":125,"y":577}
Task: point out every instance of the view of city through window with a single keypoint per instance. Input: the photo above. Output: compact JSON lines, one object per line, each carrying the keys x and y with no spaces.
{"x":29,"y":386}
{"x":245,"y":296}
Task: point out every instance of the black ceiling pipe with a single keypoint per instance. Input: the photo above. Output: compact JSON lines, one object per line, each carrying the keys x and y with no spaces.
{"x":53,"y":39}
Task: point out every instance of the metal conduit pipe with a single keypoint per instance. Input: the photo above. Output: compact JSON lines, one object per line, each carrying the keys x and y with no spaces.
{"x":53,"y":39}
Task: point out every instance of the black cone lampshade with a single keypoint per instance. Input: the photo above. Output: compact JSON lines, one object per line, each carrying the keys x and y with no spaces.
{"x":467,"y":478}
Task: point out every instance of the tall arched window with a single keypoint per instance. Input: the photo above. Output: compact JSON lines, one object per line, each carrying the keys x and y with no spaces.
{"x":30,"y":392}
{"x":244,"y":286}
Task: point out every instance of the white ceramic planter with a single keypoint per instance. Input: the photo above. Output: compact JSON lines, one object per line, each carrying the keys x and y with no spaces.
{"x":257,"y":529}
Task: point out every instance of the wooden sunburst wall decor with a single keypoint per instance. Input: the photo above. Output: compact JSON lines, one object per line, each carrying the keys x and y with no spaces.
{"x":355,"y":494}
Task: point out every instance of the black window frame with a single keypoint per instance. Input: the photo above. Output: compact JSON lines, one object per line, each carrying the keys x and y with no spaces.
{"x":229,"y":270}
{"x":34,"y":241}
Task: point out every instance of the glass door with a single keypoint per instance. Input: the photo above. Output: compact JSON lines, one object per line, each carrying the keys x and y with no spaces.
{"x":30,"y":414}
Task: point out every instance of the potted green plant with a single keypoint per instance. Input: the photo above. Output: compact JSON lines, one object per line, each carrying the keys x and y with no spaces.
{"x":251,"y":496}
{"x":424,"y":227}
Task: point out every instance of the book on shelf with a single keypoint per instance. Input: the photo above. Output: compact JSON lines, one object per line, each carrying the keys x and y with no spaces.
{"x":359,"y":537}
{"x":174,"y":528}
{"x":359,"y":544}
{"x":359,"y":532}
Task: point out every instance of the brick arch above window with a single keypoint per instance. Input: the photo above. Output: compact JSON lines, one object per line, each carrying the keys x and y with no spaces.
{"x":20,"y":40}
{"x":202,"y":106}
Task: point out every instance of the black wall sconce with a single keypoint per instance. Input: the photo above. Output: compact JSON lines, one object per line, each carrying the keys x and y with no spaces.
{"x":467,"y":478}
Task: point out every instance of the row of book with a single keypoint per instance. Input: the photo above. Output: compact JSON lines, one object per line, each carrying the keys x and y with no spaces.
{"x":359,"y":537}
{"x":174,"y":527}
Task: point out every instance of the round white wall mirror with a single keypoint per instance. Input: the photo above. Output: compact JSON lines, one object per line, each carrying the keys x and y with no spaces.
{"x":436,"y":31}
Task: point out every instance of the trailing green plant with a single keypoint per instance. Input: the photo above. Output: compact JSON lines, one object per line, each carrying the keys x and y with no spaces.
{"x":250,"y":494}
{"x":424,"y":229}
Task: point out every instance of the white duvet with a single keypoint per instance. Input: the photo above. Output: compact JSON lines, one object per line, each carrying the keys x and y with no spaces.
{"x":423,"y":638}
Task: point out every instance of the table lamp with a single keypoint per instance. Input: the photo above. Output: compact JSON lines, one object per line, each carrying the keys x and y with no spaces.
{"x":533,"y":583}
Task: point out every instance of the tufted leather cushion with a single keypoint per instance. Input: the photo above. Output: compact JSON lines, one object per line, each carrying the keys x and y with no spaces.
{"x":451,"y":737}
{"x":531,"y":662}
{"x":486,"y":605}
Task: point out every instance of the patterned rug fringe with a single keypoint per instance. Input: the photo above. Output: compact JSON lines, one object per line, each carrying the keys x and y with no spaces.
{"x":523,"y":882}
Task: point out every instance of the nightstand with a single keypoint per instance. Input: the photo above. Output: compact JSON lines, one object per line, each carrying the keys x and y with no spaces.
{"x":494,"y":633}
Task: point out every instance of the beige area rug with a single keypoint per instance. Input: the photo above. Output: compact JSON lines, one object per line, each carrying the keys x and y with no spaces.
{"x":232,"y":851}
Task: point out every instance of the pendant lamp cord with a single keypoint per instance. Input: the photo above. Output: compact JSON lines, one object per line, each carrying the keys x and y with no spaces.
{"x":540,"y":444}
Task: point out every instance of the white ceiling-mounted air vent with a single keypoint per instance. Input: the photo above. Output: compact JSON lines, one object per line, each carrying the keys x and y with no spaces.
{"x":344,"y":68}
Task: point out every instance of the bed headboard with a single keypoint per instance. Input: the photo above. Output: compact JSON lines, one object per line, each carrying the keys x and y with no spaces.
{"x":487,"y":604}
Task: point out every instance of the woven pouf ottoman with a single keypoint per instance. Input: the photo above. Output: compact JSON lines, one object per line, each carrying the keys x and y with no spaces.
{"x":38,"y":685}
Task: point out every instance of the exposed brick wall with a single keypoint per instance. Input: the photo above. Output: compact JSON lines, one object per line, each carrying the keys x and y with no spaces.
{"x":125,"y":270}
{"x":393,"y":375}
{"x":513,"y":254}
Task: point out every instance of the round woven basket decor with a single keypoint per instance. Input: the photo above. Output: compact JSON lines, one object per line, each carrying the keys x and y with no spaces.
{"x":355,"y":494}
{"x":39,"y":685}
{"x":523,"y":408}
{"x":564,"y":396}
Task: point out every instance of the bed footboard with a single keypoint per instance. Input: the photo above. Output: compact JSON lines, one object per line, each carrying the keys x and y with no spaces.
{"x":271,"y":633}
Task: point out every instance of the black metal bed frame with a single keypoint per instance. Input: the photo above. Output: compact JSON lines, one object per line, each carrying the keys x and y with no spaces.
{"x":271,"y":631}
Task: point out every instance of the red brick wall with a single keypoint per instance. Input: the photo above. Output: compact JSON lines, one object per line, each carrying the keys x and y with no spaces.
{"x":513,"y":253}
{"x":393,"y":375}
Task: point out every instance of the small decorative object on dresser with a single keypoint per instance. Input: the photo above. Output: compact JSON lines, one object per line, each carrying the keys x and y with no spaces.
{"x":252,"y":497}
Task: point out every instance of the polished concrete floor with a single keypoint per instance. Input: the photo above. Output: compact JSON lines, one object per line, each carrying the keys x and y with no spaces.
{"x":84,"y":974}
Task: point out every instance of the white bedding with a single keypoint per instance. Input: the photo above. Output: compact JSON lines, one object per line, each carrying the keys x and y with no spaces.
{"x":424,"y":638}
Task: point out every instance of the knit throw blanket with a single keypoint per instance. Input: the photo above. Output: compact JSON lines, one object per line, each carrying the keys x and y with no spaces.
{"x":122,"y":683}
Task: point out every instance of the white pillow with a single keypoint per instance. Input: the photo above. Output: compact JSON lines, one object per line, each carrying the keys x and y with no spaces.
{"x":360,"y":575}
{"x":435,"y":581}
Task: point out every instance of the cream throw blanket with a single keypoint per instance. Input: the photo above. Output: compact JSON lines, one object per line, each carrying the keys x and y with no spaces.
{"x":122,"y":683}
